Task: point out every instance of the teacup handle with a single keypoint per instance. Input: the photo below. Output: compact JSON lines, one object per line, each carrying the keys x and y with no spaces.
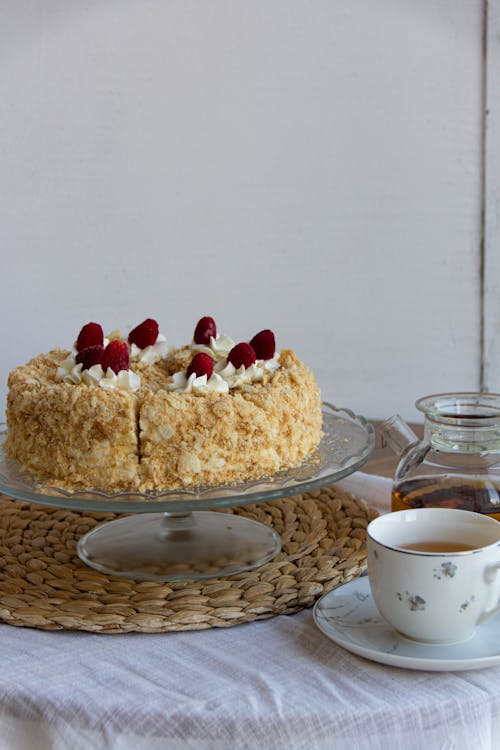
{"x":491,"y":576}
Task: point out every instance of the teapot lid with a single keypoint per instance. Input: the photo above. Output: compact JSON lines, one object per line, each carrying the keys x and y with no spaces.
{"x":474,"y":408}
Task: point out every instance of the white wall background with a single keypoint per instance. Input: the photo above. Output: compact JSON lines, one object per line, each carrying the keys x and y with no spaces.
{"x":311,"y":166}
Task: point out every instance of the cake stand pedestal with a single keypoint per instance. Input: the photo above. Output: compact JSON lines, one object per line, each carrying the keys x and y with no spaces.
{"x":178,"y":535}
{"x":179,"y":546}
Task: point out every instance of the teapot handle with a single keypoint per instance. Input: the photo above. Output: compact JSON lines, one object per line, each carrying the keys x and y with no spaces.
{"x":397,"y":434}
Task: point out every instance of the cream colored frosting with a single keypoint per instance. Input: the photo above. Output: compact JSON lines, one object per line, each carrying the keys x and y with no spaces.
{"x":201,"y":384}
{"x":153,"y":353}
{"x":219,"y":347}
{"x":71,"y":372}
{"x":224,"y":377}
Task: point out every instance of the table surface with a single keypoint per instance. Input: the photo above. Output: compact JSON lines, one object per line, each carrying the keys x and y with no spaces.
{"x":276,"y":683}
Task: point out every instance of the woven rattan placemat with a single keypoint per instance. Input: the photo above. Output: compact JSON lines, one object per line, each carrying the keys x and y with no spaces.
{"x":43,"y":584}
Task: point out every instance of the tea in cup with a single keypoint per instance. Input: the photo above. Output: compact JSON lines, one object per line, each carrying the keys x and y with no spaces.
{"x":435,"y":572}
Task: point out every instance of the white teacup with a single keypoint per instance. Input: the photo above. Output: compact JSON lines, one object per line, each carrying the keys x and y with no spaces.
{"x":435,"y":596}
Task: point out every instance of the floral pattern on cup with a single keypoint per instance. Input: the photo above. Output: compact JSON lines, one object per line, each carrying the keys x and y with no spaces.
{"x":447,"y":570}
{"x":467,"y":603}
{"x":414,"y":601}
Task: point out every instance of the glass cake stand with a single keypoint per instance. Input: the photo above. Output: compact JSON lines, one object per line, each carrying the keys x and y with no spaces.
{"x":171,"y":535}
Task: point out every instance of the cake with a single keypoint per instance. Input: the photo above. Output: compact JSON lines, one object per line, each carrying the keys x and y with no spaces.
{"x":140,"y":414}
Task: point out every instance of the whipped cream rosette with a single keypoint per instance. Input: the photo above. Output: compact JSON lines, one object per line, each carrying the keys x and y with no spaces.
{"x":71,"y":372}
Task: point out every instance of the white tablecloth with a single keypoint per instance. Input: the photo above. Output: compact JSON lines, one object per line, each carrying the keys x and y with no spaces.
{"x":277,"y":683}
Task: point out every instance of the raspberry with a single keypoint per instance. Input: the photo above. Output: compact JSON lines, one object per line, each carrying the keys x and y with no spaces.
{"x":144,"y":334}
{"x":116,"y":356}
{"x":242,"y":354}
{"x":90,"y":335}
{"x":201,"y":364}
{"x":205,"y":328}
{"x":264,"y":344}
{"x":90,"y":356}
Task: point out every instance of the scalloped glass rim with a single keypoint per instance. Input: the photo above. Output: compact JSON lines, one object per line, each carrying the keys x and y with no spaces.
{"x":347,"y":444}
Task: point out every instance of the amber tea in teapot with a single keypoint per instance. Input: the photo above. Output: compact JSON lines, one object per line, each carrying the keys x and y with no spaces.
{"x":462,"y":493}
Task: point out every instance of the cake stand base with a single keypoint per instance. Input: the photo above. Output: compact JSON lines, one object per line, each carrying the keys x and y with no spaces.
{"x":178,"y":546}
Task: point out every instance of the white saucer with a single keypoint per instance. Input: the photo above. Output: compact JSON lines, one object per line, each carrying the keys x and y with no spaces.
{"x":348,"y":616}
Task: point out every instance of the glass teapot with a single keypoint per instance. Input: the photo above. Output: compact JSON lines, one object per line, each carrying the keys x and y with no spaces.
{"x":457,"y":464}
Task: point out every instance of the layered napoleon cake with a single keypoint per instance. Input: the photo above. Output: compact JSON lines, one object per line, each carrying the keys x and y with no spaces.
{"x":138,"y":414}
